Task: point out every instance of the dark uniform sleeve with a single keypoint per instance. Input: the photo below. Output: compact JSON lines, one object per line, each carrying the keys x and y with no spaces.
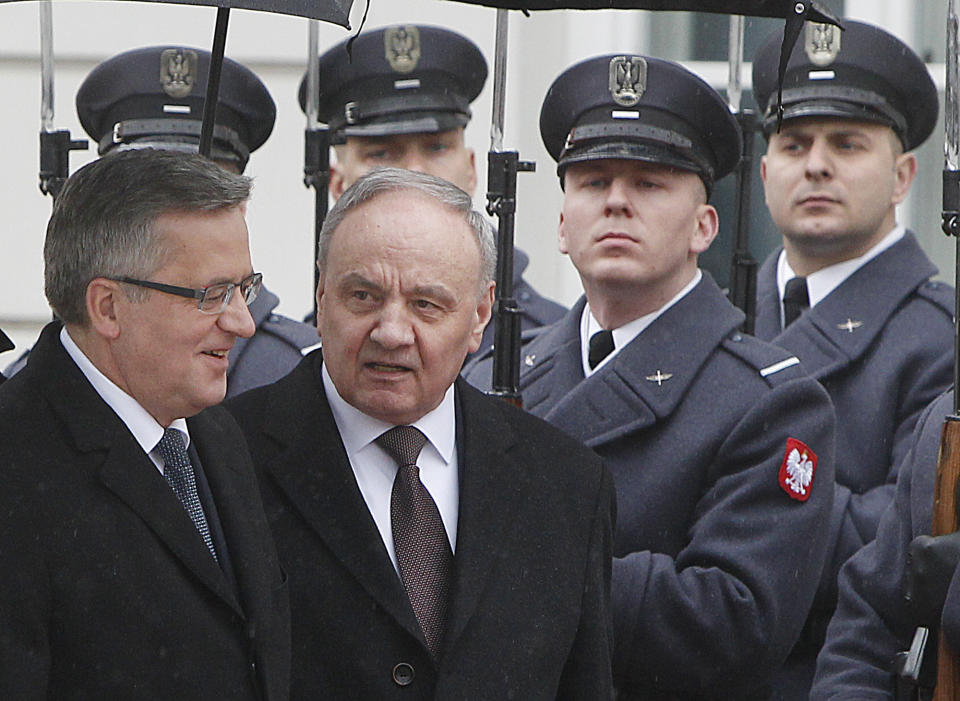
{"x":734,"y":599}
{"x":871,"y":624}
{"x":924,"y":367}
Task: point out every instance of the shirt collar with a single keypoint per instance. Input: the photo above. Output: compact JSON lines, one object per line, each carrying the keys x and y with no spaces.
{"x":826,"y":280}
{"x":626,"y":333}
{"x":145,"y":429}
{"x":357,"y":429}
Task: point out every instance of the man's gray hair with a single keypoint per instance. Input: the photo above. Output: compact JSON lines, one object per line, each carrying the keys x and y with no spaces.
{"x":386,"y":180}
{"x":103,"y":220}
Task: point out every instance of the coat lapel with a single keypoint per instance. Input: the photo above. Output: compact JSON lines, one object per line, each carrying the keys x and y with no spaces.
{"x":125,"y":469}
{"x":845,"y":324}
{"x":648,"y":378}
{"x":491,"y":487}
{"x":314,"y":473}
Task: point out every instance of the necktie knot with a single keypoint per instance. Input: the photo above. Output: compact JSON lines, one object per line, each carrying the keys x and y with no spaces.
{"x":403,"y":443}
{"x":796,"y":299}
{"x":172,"y":450}
{"x":601,"y":345}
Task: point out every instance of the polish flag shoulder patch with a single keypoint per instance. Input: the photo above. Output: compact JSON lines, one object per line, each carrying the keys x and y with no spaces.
{"x":797,"y":471}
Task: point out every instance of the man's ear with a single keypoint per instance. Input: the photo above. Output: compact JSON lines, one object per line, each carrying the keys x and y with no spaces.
{"x":484,"y":312}
{"x":336,"y":186}
{"x":707,"y":227}
{"x":905,"y":168}
{"x":101,"y":300}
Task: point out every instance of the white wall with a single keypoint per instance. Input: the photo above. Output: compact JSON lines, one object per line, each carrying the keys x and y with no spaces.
{"x":274,"y":46}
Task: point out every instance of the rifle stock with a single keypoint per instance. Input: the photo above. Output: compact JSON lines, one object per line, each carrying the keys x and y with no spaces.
{"x":945,"y":521}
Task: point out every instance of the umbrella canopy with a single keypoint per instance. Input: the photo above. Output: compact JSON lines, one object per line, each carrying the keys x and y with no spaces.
{"x":752,"y":8}
{"x":335,"y":11}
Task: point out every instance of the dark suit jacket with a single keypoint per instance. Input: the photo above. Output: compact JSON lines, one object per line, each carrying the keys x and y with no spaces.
{"x":529,"y":607}
{"x":108,"y":591}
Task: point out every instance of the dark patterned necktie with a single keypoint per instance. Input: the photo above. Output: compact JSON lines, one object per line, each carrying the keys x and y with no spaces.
{"x":601,"y":345}
{"x":423,"y":551}
{"x":795,"y":300}
{"x":178,"y":471}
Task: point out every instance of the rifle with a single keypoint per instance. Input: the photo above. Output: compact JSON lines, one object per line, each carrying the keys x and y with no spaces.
{"x":948,"y":460}
{"x":502,"y":169}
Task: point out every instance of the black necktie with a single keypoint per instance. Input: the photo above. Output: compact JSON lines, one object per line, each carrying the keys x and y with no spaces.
{"x":419,"y":538}
{"x":795,"y":300}
{"x":178,"y":471}
{"x":601,"y":345}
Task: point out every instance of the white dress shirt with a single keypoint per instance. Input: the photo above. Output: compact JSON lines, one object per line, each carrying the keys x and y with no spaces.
{"x":826,"y":280}
{"x":626,"y":333}
{"x":375,"y":470}
{"x":145,"y":429}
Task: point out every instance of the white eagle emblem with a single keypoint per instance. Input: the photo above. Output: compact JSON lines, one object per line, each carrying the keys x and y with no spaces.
{"x":799,"y":471}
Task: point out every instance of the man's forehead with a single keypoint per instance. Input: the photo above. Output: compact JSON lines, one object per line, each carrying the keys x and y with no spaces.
{"x":830,"y":126}
{"x":361,"y":141}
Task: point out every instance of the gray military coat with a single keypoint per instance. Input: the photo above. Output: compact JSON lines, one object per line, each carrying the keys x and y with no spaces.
{"x":716,"y":561}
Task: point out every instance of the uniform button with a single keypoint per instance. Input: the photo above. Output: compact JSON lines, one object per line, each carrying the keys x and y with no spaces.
{"x":736,"y":338}
{"x":403,"y":674}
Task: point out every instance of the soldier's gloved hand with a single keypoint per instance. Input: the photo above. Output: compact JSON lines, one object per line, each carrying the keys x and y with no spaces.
{"x":931,"y":562}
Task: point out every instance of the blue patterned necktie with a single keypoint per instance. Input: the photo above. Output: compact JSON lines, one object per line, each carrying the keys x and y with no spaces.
{"x":423,"y":551}
{"x":178,"y":471}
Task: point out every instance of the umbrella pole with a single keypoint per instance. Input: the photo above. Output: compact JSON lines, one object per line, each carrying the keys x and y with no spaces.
{"x":502,"y":168}
{"x":316,"y":149}
{"x":213,"y":81}
{"x":55,"y":146}
{"x":743,"y":269}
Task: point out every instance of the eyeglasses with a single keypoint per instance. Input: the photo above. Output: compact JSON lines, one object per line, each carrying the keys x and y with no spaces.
{"x":210,"y":300}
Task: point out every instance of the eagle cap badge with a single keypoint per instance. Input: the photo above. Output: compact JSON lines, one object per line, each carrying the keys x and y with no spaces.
{"x":402,"y":47}
{"x":822,"y":43}
{"x":628,"y":79}
{"x":178,"y":71}
{"x":797,"y":470}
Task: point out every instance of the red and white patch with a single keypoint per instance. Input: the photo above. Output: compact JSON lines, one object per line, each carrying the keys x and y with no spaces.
{"x":797,"y":471}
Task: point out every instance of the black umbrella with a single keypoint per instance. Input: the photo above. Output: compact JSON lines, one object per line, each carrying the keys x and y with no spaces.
{"x":753,"y":8}
{"x":55,"y":146}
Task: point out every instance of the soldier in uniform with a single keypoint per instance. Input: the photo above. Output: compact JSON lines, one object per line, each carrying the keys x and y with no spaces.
{"x":873,"y":621}
{"x":851,"y":292}
{"x":721,"y":446}
{"x":401,"y":97}
{"x":153,"y":98}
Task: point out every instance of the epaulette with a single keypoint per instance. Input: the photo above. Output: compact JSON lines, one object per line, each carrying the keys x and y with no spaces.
{"x":772,"y":363}
{"x":939,"y":293}
{"x":293,"y":333}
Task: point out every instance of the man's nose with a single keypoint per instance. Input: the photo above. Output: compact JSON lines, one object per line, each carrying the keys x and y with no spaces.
{"x":236,"y":318}
{"x":819,"y":162}
{"x":394,"y":328}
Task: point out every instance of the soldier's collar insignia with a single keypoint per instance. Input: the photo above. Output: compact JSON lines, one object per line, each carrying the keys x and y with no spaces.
{"x":627,"y":80}
{"x":659,"y":377}
{"x":178,"y":72}
{"x":797,"y":470}
{"x":850,"y":325}
{"x":822,"y":43}
{"x":402,"y":48}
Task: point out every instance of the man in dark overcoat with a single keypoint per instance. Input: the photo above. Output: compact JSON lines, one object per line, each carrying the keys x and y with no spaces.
{"x":137,"y":560}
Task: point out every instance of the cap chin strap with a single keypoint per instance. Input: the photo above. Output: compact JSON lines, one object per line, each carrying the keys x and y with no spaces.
{"x":132,"y":130}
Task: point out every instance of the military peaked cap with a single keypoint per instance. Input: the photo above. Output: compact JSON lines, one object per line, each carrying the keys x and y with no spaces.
{"x":404,"y":79}
{"x":154,"y":97}
{"x":627,"y":106}
{"x":860,"y":73}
